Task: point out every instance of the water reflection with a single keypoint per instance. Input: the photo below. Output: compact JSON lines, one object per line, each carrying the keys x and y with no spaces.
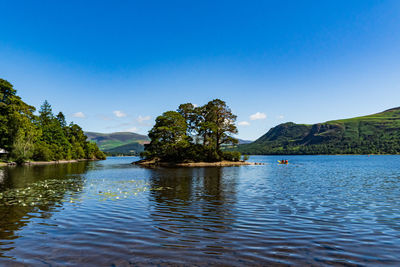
{"x":315,"y":211}
{"x":199,"y":208}
{"x":34,"y":192}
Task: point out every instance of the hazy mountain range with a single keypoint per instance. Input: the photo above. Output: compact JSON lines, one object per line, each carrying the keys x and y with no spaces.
{"x":120,"y":142}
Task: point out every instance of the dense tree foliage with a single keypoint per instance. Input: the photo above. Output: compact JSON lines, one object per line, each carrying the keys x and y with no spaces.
{"x":45,"y":137}
{"x":193,"y":134}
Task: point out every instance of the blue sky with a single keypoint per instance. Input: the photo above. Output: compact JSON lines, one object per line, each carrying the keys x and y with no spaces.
{"x":116,"y":65}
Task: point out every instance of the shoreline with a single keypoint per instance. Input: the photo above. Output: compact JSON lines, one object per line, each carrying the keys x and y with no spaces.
{"x":153,"y":163}
{"x":30,"y":163}
{"x":35,"y":163}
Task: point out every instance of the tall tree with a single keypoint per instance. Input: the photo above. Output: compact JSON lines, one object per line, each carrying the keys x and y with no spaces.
{"x":46,"y":113}
{"x":191,"y":116}
{"x":168,"y":136}
{"x":23,"y":145}
{"x":53,"y":133}
{"x":219,"y":123}
{"x":61,"y":119}
{"x":14,"y":114}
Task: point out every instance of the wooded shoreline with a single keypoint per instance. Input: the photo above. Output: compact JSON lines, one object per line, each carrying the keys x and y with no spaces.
{"x":31,"y":163}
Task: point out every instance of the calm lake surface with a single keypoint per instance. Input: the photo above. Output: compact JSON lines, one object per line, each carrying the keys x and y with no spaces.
{"x":318,"y":210}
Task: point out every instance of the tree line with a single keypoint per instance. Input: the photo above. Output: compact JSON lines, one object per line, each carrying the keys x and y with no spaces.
{"x":44,"y":137}
{"x":193,"y":134}
{"x":382,"y":146}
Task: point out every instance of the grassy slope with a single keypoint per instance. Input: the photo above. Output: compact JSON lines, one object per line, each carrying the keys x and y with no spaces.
{"x":134,"y":147}
{"x":118,"y":142}
{"x":377,"y":133}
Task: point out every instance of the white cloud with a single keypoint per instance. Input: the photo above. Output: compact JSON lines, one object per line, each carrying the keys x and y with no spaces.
{"x":78,"y":115}
{"x":119,"y":114}
{"x":141,"y":119}
{"x":133,"y":129}
{"x":258,"y":116}
{"x":244,"y":123}
{"x":280,"y":117}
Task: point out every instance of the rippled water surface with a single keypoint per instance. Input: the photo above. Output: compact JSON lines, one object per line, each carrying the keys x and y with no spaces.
{"x":318,"y":210}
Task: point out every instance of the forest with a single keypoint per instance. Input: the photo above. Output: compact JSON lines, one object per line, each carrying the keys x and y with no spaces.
{"x":193,"y":134}
{"x":42,"y":137}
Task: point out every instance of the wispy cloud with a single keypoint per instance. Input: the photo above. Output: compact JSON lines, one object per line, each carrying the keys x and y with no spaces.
{"x":258,"y":116}
{"x":119,"y":114}
{"x":78,"y":115}
{"x":244,"y":123}
{"x":141,"y":118}
{"x":280,"y":117}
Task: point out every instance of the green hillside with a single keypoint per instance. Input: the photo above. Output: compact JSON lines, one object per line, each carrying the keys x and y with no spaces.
{"x":121,"y":142}
{"x":128,"y":149}
{"x":373,"y":134}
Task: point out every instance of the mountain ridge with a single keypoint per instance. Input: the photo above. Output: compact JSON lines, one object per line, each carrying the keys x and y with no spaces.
{"x":377,"y":133}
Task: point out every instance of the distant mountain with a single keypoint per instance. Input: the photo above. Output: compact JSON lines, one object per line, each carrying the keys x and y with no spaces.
{"x":241,"y":141}
{"x":125,"y":142}
{"x":120,"y":142}
{"x":132,"y":148}
{"x":373,"y":134}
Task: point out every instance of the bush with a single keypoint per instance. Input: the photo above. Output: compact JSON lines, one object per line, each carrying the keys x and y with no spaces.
{"x":78,"y":152}
{"x":231,"y":155}
{"x":100,"y":155}
{"x":195,"y":153}
{"x":42,"y":152}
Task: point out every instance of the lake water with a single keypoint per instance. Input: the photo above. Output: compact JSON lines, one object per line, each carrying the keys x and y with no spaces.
{"x":318,"y":210}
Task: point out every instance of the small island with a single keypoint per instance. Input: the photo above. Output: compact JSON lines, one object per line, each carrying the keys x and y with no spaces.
{"x":193,"y":137}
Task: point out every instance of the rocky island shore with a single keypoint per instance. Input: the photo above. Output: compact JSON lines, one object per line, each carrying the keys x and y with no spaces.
{"x":224,"y":163}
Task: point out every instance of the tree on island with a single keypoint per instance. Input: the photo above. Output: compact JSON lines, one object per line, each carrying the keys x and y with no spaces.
{"x":45,"y":137}
{"x":193,"y":134}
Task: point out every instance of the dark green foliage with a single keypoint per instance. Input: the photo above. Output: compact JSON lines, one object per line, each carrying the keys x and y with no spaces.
{"x":44,"y":137}
{"x":374,"y":134}
{"x":16,"y":122}
{"x":168,"y":137}
{"x":61,"y":120}
{"x":231,"y":155}
{"x":193,"y":134}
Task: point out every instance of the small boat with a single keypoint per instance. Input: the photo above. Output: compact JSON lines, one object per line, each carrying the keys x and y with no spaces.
{"x":283,"y":162}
